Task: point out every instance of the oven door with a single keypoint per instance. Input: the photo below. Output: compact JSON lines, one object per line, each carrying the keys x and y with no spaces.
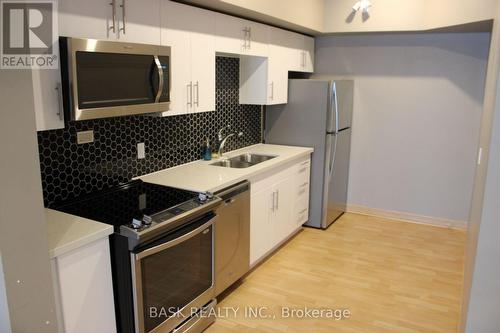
{"x":108,"y":79}
{"x":174,"y":276}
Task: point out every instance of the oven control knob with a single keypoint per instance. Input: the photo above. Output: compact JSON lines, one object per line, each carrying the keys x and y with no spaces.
{"x":202,"y":197}
{"x":136,"y":224}
{"x":147,"y":220}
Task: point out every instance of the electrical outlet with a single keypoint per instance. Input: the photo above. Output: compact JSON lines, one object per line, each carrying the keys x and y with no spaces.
{"x":141,"y":150}
{"x":84,"y":137}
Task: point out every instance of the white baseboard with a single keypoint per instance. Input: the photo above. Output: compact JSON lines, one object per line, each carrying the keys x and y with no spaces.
{"x":407,"y":217}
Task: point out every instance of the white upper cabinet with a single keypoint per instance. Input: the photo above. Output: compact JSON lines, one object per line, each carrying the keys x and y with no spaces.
{"x":308,"y":54}
{"x":203,"y":60}
{"x":190,"y":32}
{"x":238,"y":36}
{"x":133,"y":21}
{"x":278,"y":67}
{"x":301,"y":52}
{"x":138,"y":21}
{"x":47,"y":96}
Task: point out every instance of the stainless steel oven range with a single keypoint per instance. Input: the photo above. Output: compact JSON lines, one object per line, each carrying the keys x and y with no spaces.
{"x":162,"y":254}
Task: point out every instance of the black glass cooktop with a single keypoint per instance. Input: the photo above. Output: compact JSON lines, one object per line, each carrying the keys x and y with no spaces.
{"x":120,"y":205}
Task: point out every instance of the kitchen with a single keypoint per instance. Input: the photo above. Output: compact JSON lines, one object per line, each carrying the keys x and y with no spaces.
{"x":180,"y":148}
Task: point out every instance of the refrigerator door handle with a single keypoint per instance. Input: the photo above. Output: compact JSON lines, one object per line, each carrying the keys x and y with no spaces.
{"x":332,"y":156}
{"x":336,"y":105}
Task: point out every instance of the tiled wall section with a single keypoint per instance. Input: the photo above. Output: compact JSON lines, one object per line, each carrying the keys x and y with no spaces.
{"x":69,"y":170}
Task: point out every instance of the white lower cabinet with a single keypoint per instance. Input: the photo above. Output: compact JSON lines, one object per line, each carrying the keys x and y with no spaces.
{"x":279,"y":206}
{"x":84,"y":289}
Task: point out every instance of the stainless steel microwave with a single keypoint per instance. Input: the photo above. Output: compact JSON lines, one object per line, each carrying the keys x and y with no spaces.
{"x":102,"y":79}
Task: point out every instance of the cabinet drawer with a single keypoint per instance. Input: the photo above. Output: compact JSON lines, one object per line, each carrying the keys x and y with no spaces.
{"x":301,"y":214}
{"x":302,"y":190}
{"x":303,"y":173}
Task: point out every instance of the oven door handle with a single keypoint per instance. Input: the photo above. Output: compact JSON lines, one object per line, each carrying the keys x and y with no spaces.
{"x":183,"y":238}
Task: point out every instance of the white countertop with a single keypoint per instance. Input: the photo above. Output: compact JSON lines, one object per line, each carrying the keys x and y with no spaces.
{"x":200,"y":176}
{"x":67,"y":232}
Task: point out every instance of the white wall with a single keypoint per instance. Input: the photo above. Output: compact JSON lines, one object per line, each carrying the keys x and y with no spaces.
{"x":417,"y":109}
{"x":23,"y":231}
{"x":306,"y":16}
{"x":407,"y":15}
{"x":4,"y":308}
{"x":485,"y":293}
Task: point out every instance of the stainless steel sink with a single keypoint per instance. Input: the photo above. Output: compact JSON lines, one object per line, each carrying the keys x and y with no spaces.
{"x":243,"y":161}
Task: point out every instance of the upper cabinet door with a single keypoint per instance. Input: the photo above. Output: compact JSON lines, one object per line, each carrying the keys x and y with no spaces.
{"x":203,"y":59}
{"x":295,"y":45}
{"x":138,"y":21}
{"x":308,"y":54}
{"x":175,"y":24}
{"x":277,"y":67}
{"x":231,"y":34}
{"x":301,"y":52}
{"x":127,"y":20}
{"x":87,"y":19}
{"x":238,"y":36}
{"x":47,"y":96}
{"x":257,"y":39}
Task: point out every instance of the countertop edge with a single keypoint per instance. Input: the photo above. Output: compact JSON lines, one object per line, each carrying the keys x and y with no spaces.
{"x":58,"y":246}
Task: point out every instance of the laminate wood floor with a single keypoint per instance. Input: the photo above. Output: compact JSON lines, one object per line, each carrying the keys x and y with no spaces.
{"x":392,"y":276}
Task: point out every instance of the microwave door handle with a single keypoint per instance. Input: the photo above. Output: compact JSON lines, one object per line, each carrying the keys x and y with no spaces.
{"x":160,"y":79}
{"x":174,"y":242}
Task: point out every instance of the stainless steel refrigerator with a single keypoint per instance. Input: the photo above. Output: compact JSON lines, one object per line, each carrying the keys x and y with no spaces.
{"x":318,"y":114}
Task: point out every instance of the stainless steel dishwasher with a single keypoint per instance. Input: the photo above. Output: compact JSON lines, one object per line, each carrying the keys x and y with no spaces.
{"x":232,"y":235}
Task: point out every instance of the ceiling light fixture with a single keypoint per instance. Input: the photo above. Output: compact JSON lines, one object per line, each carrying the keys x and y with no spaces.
{"x":363,"y":5}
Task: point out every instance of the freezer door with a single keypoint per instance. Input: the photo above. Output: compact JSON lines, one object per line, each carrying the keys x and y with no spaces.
{"x":336,"y":176}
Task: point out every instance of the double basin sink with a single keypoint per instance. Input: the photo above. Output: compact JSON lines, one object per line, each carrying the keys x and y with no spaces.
{"x":243,"y":161}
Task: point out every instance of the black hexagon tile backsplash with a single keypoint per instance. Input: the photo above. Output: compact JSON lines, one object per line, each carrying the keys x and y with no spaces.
{"x":70,"y":170}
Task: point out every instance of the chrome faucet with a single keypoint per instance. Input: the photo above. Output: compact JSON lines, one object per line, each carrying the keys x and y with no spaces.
{"x":222,"y":139}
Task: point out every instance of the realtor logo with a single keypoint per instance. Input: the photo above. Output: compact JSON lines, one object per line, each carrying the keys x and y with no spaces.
{"x":28,"y":34}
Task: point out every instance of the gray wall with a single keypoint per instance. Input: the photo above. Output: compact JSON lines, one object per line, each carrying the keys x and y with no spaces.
{"x":417,"y":109}
{"x":23,"y":232}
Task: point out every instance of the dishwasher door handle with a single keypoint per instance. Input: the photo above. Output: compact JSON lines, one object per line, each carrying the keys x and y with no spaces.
{"x":229,"y":201}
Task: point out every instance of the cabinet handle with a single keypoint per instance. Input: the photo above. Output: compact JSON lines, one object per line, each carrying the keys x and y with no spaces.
{"x":272,"y":91}
{"x":250,"y":37}
{"x":304,"y":185}
{"x":277,"y":199}
{"x":245,"y":38}
{"x":122,"y":6}
{"x":197,"y":100}
{"x":190,"y":93}
{"x":305,"y":162}
{"x":113,"y":15}
{"x":274,"y":201}
{"x":60,"y":111}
